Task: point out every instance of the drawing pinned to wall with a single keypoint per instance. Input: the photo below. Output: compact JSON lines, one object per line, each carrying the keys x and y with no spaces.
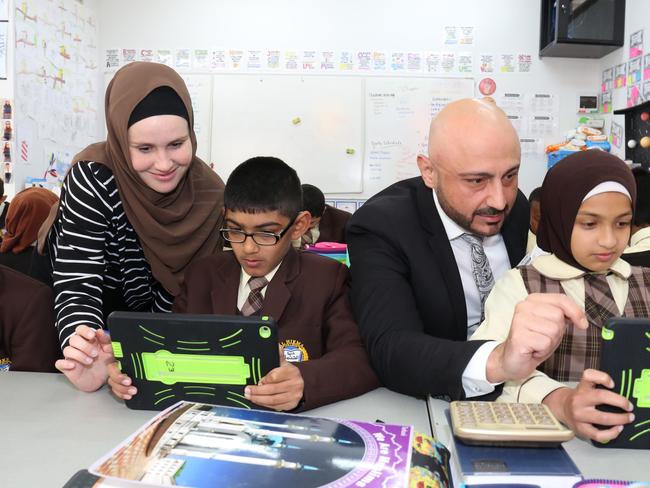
{"x":524,"y":63}
{"x":7,"y":109}
{"x":606,"y":102}
{"x":646,"y":67}
{"x":129,"y":55}
{"x":112,"y":59}
{"x":636,"y":44}
{"x":450,"y":35}
{"x":466,"y":35}
{"x":182,"y":59}
{"x":608,"y":80}
{"x":218,"y":59}
{"x":57,"y":78}
{"x":290,"y":60}
{"x":433,"y":62}
{"x":506,"y":63}
{"x":620,"y":78}
{"x":634,"y":96}
{"x":164,"y":56}
{"x":465,"y":62}
{"x":486,"y":63}
{"x":634,"y":70}
{"x":146,"y":55}
{"x":309,"y":60}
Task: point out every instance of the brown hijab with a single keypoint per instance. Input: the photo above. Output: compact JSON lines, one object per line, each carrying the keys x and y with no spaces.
{"x":176,"y":227}
{"x":26,"y":214}
{"x":565,"y":186}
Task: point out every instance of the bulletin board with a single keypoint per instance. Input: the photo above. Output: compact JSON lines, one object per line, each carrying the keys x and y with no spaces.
{"x":314,"y":123}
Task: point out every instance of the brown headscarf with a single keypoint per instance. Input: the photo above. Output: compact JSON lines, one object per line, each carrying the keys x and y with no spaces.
{"x":26,"y":214}
{"x":565,"y":186}
{"x":176,"y":227}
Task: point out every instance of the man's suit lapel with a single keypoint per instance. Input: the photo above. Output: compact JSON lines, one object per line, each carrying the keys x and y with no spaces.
{"x":439,"y":243}
{"x":224,"y":295}
{"x":515,"y":230}
{"x":278,"y":292}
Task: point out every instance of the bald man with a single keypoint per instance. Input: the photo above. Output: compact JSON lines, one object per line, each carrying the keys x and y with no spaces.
{"x":426,"y":251}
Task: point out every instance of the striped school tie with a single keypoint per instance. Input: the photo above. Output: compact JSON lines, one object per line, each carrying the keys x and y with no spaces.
{"x":255,"y":300}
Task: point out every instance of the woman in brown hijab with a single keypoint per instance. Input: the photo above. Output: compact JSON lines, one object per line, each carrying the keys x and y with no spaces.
{"x":28,"y":211}
{"x":134,"y":211}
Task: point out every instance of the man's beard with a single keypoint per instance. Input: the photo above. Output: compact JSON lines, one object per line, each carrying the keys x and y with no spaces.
{"x":466,"y":223}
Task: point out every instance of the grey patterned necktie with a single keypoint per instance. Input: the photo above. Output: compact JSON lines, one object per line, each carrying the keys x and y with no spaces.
{"x":481,"y":270}
{"x":255,"y":300}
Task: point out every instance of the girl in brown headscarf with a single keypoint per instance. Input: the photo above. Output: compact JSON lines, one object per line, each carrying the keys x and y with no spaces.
{"x":587,"y":206}
{"x":135,"y":210}
{"x":28,"y":211}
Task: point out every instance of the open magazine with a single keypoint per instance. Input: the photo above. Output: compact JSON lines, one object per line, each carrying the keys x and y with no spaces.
{"x":199,"y":445}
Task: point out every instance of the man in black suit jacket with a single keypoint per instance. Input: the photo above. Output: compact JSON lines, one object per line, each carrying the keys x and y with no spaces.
{"x":413,"y":306}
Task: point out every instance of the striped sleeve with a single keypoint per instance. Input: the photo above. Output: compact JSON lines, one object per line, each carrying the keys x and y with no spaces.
{"x":79,"y":261}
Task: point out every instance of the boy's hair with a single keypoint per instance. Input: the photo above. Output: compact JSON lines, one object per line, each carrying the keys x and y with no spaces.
{"x":535,"y":195}
{"x":642,"y":211}
{"x":264,"y":184}
{"x":2,"y":187}
{"x":313,"y":200}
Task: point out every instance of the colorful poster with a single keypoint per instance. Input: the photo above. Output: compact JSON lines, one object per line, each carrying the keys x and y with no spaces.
{"x":466,"y":36}
{"x":346,"y":61}
{"x":128,"y":55}
{"x":309,"y":60}
{"x":617,"y":135}
{"x":606,"y":102}
{"x":273,"y":59}
{"x":619,"y":75}
{"x":486,"y":63}
{"x":183,"y":59}
{"x":203,"y":445}
{"x":507,"y":63}
{"x":364,"y":61}
{"x":646,"y":67}
{"x":636,"y":44}
{"x":634,"y":70}
{"x":634,"y":96}
{"x":397,"y":61}
{"x":524,"y":63}
{"x":608,"y":80}
{"x":450,"y":35}
{"x":465,"y":62}
{"x":379,"y":61}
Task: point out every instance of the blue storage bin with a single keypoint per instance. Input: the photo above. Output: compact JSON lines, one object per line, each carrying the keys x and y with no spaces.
{"x":555,"y":156}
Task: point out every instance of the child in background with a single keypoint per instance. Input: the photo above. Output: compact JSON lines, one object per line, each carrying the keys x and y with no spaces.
{"x":587,"y":210}
{"x":322,"y":359}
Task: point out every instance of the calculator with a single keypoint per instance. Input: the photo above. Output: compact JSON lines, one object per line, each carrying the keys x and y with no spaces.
{"x":506,"y":424}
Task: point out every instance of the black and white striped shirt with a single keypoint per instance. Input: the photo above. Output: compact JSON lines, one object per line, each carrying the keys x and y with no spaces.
{"x":93,"y":247}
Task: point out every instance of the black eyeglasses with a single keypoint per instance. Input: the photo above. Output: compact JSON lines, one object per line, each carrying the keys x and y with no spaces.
{"x":237,"y":236}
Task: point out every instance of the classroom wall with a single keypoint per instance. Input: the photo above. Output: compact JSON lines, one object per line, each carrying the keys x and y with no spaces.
{"x":504,"y":26}
{"x":6,"y":86}
{"x":637,"y":17}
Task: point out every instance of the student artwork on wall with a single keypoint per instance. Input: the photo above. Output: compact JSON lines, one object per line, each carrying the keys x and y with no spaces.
{"x":636,"y":44}
{"x":57,"y":78}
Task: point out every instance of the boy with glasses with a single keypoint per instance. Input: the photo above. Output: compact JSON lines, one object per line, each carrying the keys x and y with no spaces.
{"x":322,"y":359}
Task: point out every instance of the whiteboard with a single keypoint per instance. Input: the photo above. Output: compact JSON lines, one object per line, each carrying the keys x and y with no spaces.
{"x":398,"y":115}
{"x":313,"y":123}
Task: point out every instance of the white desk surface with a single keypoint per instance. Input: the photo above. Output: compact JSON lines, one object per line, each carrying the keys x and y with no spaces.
{"x":593,"y":462}
{"x":49,"y":430}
